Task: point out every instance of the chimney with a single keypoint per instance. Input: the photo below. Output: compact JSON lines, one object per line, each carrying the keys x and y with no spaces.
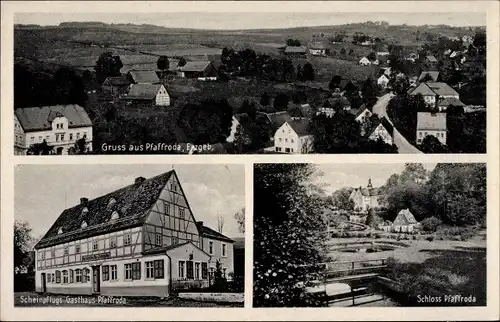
{"x":199,"y":224}
{"x":139,"y":180}
{"x":83,"y":201}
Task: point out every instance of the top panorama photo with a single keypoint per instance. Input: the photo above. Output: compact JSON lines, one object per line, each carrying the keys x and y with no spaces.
{"x":249,"y":83}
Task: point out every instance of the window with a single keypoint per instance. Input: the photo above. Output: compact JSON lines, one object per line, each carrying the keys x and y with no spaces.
{"x":149,"y":270}
{"x":65,"y":277}
{"x":58,"y":276}
{"x":136,"y":271}
{"x":66,"y":250}
{"x":181,"y":269}
{"x":77,"y":136}
{"x":71,"y":276}
{"x":204,"y":270}
{"x":159,"y":269}
{"x":173,"y":186}
{"x":62,"y":137}
{"x":224,"y":250}
{"x":114,"y":272}
{"x":127,"y":239}
{"x":182,"y":213}
{"x":77,"y":249}
{"x":175,"y":240}
{"x":95,"y":245}
{"x":49,"y":280}
{"x":189,"y":270}
{"x":53,"y":252}
{"x":71,"y":136}
{"x":105,"y":272}
{"x":112,"y":242}
{"x":280,"y":139}
{"x":42,"y":255}
{"x":78,"y":275}
{"x":158,"y":239}
{"x":128,"y":271}
{"x":53,"y":278}
{"x":291,"y":140}
{"x":197,"y":271}
{"x":211,"y":247}
{"x":420,"y":134}
{"x":167,"y":208}
{"x":86,"y":275}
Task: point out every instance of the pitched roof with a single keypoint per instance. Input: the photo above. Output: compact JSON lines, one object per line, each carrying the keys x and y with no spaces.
{"x":423,"y":90}
{"x":303,"y":110}
{"x":433,"y":74}
{"x":279,"y":118}
{"x":385,"y":123}
{"x":357,"y":111}
{"x":40,"y":118}
{"x":144,"y":76}
{"x":405,"y":217}
{"x":442,"y":89}
{"x":295,"y":49}
{"x":143,"y":91}
{"x":432,"y":59}
{"x":300,"y":126}
{"x":453,"y":101}
{"x":195,"y":66}
{"x":431,"y":121}
{"x":317,"y":45}
{"x":132,"y":203}
{"x":121,"y":80}
{"x":210,"y":233}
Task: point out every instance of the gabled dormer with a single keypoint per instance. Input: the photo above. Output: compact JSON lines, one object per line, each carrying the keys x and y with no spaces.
{"x":84,"y":224}
{"x":115,"y":215}
{"x":60,"y":231}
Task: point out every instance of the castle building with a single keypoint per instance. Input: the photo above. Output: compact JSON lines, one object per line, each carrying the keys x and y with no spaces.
{"x":365,"y":198}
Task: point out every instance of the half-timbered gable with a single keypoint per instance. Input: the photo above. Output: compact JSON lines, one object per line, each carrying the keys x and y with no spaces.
{"x":170,"y":220}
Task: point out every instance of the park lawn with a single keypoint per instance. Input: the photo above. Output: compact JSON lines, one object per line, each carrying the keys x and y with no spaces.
{"x":130,"y":301}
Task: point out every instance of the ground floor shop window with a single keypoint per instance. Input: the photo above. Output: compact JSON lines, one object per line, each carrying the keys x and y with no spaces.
{"x":78,"y":275}
{"x":114,"y":272}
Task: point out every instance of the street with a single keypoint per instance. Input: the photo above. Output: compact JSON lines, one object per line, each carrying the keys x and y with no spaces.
{"x":400,"y":141}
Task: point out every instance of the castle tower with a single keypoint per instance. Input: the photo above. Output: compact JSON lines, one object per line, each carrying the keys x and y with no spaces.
{"x":370,"y":183}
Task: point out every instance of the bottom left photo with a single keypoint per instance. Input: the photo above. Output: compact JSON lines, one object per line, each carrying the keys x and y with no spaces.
{"x":129,"y":235}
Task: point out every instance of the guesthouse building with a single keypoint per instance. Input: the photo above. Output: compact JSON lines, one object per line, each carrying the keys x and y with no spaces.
{"x":59,"y":126}
{"x":140,"y":240}
{"x":293,"y":137}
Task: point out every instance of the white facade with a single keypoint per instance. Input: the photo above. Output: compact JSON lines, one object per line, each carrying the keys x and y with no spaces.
{"x":234,"y":128}
{"x":60,"y":136}
{"x":286,"y":140}
{"x":381,"y":132}
{"x":382,"y":81}
{"x":365,"y":61}
{"x":438,"y":134}
{"x":162,"y":98}
{"x":317,"y":52}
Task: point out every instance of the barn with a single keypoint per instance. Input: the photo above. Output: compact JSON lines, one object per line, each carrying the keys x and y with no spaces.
{"x":156,"y":94}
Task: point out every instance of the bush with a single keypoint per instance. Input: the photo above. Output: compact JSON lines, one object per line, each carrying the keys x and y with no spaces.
{"x":414,"y":237}
{"x":430,"y":238}
{"x":377,"y":236}
{"x":431,"y":224}
{"x":398,"y":238}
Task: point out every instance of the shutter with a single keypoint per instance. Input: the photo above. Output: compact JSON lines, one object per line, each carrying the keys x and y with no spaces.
{"x":204,"y":270}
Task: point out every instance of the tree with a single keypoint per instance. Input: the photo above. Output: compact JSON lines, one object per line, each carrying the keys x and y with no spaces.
{"x":81,"y":146}
{"x":430,"y":144}
{"x":163,"y":64}
{"x":69,"y":87}
{"x":220,"y":223}
{"x":281,"y":102}
{"x":341,"y":199}
{"x":249,"y":108}
{"x":40,"y":149}
{"x":22,"y":243}
{"x":265,"y":99}
{"x":372,"y":219}
{"x":107,"y":66}
{"x":308,"y":72}
{"x":300,"y":74}
{"x":293,"y":42}
{"x":240,"y":220}
{"x":335,"y":82}
{"x":342,"y":52}
{"x":285,"y":208}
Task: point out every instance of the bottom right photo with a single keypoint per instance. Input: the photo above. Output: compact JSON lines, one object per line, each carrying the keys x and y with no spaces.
{"x":374,"y":235}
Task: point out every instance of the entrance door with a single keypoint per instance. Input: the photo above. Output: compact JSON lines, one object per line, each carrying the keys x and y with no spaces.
{"x":96,"y":279}
{"x":44,"y":283}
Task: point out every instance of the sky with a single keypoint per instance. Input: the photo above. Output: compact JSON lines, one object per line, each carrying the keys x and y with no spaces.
{"x":42,"y":192}
{"x":253,"y":20}
{"x":335,"y":176}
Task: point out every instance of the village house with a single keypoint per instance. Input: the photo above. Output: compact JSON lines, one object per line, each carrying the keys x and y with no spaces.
{"x":317,"y":49}
{"x":429,"y":75}
{"x":60,"y":126}
{"x":405,"y":222}
{"x":154,"y":94}
{"x":365,"y":61}
{"x":432,"y":92}
{"x":143,"y":77}
{"x":382,"y":50}
{"x":365,"y":198}
{"x":431,"y":124}
{"x":276,"y":119}
{"x":140,"y":240}
{"x":383,"y":130}
{"x":431,"y":59}
{"x":334,"y":104}
{"x":203,"y":70}
{"x":116,"y":85}
{"x":295,"y":50}
{"x":360,"y":114}
{"x":447,"y":102}
{"x":383,"y":81}
{"x":293,"y":137}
